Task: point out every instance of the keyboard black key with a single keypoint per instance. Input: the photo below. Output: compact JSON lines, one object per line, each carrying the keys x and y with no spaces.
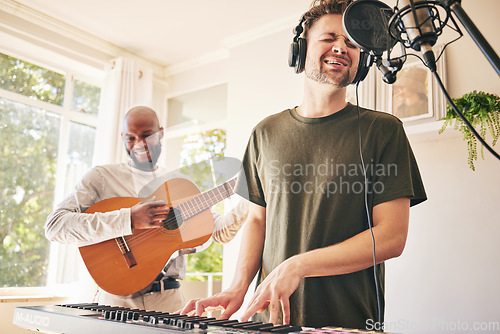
{"x":221,"y":322}
{"x":257,"y":326}
{"x":241,"y":324}
{"x":285,"y":329}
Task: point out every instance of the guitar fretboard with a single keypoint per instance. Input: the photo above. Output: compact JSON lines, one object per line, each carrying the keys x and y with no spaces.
{"x":206,"y":200}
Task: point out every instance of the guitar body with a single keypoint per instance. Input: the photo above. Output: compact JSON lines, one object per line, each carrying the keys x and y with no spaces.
{"x":150,"y":249}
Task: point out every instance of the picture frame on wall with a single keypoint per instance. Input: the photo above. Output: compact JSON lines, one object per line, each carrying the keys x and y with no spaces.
{"x":411,"y":95}
{"x":415,"y":97}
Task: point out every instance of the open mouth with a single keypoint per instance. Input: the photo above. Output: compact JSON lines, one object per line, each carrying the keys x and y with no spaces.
{"x":337,"y":62}
{"x":141,"y":154}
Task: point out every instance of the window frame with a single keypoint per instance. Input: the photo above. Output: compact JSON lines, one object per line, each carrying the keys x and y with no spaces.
{"x":67,"y":115}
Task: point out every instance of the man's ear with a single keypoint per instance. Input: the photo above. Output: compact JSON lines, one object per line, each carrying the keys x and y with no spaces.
{"x":161,"y":132}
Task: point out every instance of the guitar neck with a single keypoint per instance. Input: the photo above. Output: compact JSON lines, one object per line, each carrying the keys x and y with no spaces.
{"x":206,"y":200}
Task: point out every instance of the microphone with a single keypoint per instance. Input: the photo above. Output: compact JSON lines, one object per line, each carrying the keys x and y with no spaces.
{"x":365,"y":23}
{"x":396,"y":63}
{"x":389,"y":69}
{"x":414,"y":25}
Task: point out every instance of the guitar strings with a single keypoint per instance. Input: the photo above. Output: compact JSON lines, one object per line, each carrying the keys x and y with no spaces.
{"x":170,"y":221}
{"x":126,"y":243}
{"x":188,"y":207}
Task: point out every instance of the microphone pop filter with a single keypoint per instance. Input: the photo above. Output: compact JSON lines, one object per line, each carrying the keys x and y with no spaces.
{"x":366,"y":25}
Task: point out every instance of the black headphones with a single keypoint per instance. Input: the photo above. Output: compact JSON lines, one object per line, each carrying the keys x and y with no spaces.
{"x":297,"y":55}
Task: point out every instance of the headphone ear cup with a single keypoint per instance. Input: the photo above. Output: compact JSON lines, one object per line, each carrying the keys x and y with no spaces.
{"x":292,"y":55}
{"x":301,"y":58}
{"x":297,"y":55}
{"x":365,"y":62}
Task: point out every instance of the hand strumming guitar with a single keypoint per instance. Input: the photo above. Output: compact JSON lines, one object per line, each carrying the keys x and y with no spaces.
{"x":149,"y":215}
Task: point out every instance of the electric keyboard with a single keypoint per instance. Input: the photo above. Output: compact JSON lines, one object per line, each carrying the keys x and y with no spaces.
{"x":95,"y":318}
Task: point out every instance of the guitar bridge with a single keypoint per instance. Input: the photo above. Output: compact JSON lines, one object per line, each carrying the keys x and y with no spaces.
{"x":126,"y":252}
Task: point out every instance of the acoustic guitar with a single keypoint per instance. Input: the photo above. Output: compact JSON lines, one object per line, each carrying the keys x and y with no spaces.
{"x":125,"y":265}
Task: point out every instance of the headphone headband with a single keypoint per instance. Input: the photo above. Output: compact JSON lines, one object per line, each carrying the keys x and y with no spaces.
{"x":298,"y":49}
{"x":299,"y":29}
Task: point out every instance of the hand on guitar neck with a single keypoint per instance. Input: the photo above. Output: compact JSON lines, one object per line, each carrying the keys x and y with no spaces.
{"x":149,"y":214}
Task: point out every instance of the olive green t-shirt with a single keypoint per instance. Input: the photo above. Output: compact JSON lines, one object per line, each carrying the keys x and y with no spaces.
{"x":307,"y":173}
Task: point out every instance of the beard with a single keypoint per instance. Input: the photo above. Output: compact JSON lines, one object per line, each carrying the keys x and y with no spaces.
{"x":315,"y":72}
{"x":153,"y":154}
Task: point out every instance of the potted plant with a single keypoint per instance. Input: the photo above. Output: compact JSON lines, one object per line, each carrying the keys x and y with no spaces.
{"x":482,"y":111}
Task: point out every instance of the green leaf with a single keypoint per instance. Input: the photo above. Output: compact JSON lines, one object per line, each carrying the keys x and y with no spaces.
{"x":482,"y":111}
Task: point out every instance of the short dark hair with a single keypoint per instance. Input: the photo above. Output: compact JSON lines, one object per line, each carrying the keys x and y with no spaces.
{"x":323,"y":7}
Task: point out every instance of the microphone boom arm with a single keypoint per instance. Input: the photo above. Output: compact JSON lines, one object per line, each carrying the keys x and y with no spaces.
{"x":481,"y":42}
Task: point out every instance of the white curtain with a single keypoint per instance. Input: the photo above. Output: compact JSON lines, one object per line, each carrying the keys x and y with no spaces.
{"x":127,"y":84}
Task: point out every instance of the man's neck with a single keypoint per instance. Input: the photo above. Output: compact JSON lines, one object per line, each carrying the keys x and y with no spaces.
{"x":322,"y":100}
{"x":142,"y":167}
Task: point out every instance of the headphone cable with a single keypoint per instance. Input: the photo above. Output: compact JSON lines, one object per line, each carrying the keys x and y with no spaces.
{"x":368,"y":211}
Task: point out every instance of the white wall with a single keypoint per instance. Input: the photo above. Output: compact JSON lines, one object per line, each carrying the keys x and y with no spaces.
{"x":260,"y":83}
{"x":447,"y":278}
{"x":448,"y":272}
{"x":467,"y":67}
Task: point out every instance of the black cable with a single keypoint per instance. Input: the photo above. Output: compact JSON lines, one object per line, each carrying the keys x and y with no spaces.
{"x":379,"y":315}
{"x":440,"y":83}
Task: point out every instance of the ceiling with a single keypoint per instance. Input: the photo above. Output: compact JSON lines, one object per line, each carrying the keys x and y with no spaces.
{"x":171,"y":32}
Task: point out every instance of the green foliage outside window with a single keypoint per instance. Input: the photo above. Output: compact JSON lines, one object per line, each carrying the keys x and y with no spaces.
{"x":197,"y":150}
{"x":29,"y":144}
{"x":31,"y":80}
{"x":85,"y":97}
{"x":29,"y":138}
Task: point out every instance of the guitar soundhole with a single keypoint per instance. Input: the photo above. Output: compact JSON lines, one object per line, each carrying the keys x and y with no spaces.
{"x":174,"y":219}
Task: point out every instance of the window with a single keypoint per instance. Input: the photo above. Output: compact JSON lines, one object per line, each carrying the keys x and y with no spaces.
{"x":196,"y":151}
{"x":195,"y":134}
{"x":47,"y":128}
{"x":29,"y":138}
